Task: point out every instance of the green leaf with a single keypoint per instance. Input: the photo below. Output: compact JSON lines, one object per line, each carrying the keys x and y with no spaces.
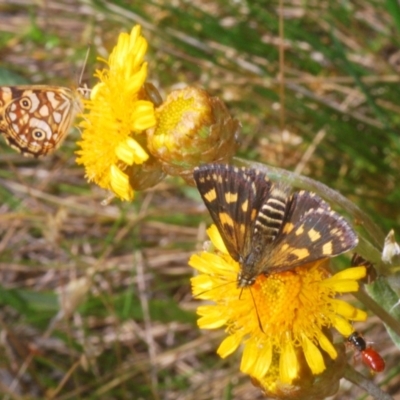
{"x":12,"y":298}
{"x":382,"y":292}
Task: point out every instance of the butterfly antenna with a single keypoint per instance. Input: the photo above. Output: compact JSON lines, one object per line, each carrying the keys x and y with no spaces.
{"x":282,"y":116}
{"x":258,"y":315}
{"x":255,"y":307}
{"x":84,"y":65}
{"x":216,"y":287}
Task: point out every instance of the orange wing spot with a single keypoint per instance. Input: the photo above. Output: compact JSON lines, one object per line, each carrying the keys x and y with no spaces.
{"x":327,"y":249}
{"x":301,"y":254}
{"x":231,"y":197}
{"x":314,"y":235}
{"x":334,"y":231}
{"x":226,"y":219}
{"x":288,"y":228}
{"x":216,"y":178}
{"x":300,"y":230}
{"x":211,"y":195}
{"x":288,"y":252}
{"x":284,"y":248}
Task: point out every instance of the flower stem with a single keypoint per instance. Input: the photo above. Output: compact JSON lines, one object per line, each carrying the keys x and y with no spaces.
{"x":360,"y":380}
{"x":383,"y":315}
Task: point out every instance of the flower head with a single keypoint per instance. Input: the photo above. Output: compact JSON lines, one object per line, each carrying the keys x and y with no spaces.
{"x":117,"y":114}
{"x":192,"y":128}
{"x":307,"y":386}
{"x":280,"y":315}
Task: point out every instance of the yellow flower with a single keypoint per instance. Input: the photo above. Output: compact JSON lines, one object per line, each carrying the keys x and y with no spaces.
{"x":281,"y":314}
{"x":116,"y":116}
{"x":308,"y":386}
{"x":192,"y":129}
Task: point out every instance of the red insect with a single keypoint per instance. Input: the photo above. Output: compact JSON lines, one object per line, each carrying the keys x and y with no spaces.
{"x":369,"y":356}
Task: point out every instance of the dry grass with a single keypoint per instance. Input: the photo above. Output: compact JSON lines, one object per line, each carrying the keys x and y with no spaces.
{"x":134,"y":334}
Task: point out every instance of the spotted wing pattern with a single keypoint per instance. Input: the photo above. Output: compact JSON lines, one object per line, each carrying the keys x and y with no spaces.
{"x":264,"y":227}
{"x":36,"y":119}
{"x":233,"y":197}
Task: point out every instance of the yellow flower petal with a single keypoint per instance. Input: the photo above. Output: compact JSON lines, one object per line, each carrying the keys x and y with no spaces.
{"x":360,"y":315}
{"x":249,"y":357}
{"x":135,"y":82}
{"x":313,"y":356}
{"x":120,"y":183}
{"x":288,"y":363}
{"x":211,"y":318}
{"x":346,"y":310}
{"x":342,"y":286}
{"x":327,"y":346}
{"x":202,"y":287}
{"x":256,"y":358}
{"x":229,"y":345}
{"x":343,"y":326}
{"x":213,"y":264}
{"x":143,"y":116}
{"x":216,"y":239}
{"x":354,"y":273}
{"x":131,"y":152}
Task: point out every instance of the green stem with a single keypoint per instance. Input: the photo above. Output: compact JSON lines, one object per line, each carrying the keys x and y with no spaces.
{"x":383,"y":315}
{"x":360,"y":380}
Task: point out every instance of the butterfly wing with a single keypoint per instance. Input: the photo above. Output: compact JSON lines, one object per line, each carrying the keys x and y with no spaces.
{"x":233,"y":197}
{"x":36,"y":119}
{"x":312,"y":231}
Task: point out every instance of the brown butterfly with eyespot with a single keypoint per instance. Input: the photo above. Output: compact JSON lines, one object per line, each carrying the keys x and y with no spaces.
{"x":35,"y":119}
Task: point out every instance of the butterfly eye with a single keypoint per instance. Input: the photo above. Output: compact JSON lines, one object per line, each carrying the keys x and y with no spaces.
{"x":25,"y":103}
{"x":39,"y":134}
